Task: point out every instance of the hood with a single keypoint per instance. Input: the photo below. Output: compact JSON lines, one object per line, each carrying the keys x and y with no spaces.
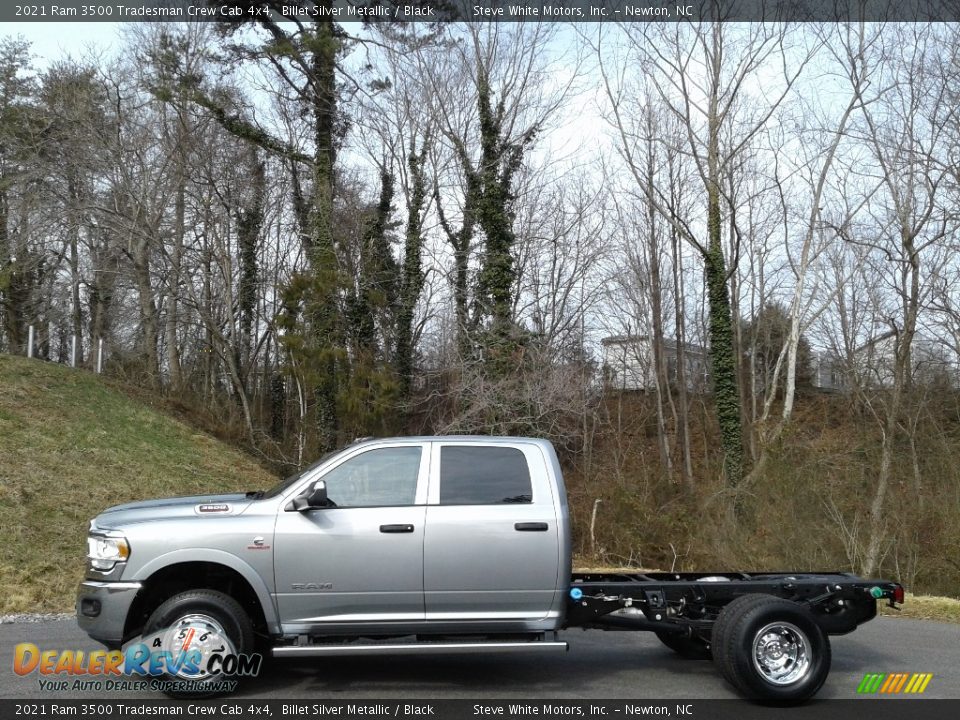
{"x":167,"y":508}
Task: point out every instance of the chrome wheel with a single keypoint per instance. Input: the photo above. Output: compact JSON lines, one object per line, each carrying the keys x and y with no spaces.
{"x":782,"y":653}
{"x":196,"y":636}
{"x":190,"y":630}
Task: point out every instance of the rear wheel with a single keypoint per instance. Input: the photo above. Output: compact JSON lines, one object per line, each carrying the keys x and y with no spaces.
{"x":684,"y":646}
{"x":771,"y":649}
{"x":193,"y":627}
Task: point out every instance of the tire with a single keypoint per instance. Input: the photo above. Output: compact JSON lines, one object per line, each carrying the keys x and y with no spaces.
{"x":201,"y":609}
{"x":684,"y":646}
{"x":721,"y":628}
{"x":771,"y":649}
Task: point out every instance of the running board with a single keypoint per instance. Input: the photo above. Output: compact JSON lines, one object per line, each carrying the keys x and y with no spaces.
{"x":416,"y":649}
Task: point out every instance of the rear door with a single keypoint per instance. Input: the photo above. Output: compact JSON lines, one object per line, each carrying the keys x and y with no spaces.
{"x":491,"y":549}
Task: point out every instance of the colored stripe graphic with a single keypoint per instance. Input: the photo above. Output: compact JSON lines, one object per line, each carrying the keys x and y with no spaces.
{"x":890,"y":681}
{"x":870,"y":683}
{"x":894,"y":683}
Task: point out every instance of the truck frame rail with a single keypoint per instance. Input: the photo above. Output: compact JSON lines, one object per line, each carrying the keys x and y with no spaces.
{"x":690,"y":603}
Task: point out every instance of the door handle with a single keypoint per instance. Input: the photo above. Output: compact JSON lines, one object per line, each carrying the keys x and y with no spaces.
{"x":396,"y":528}
{"x":531,"y":527}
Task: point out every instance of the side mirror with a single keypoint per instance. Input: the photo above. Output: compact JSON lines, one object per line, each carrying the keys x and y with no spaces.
{"x":311,"y":499}
{"x":318,"y":495}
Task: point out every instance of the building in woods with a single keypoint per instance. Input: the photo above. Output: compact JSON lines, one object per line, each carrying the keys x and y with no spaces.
{"x":873,"y":364}
{"x":829,"y":372}
{"x":628,"y":363}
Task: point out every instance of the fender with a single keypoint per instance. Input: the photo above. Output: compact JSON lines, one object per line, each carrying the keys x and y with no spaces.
{"x":219,"y":557}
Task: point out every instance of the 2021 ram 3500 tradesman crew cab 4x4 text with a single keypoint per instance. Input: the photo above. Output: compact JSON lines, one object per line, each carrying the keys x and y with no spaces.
{"x":437,"y":544}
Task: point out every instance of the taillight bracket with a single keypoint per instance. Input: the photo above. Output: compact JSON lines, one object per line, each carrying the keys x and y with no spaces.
{"x":898,"y":596}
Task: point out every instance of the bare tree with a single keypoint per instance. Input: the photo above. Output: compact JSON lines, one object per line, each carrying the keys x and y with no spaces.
{"x":702,"y":74}
{"x":850,"y":49}
{"x":904,"y":130}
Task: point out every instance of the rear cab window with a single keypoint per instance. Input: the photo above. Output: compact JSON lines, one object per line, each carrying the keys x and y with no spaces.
{"x":484,"y":475}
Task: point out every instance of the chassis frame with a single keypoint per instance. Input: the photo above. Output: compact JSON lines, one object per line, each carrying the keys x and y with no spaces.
{"x":688,"y":604}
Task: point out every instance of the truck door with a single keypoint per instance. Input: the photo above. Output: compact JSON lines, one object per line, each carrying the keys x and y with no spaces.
{"x":491,"y":550}
{"x":360,"y":560}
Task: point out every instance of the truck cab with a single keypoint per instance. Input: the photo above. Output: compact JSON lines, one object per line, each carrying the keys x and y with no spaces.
{"x":423,"y":534}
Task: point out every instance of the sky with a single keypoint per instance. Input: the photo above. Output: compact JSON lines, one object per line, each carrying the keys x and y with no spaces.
{"x":51,"y":41}
{"x":579,"y":132}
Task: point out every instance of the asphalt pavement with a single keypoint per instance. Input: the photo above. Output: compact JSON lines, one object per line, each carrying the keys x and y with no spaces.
{"x":600,"y":665}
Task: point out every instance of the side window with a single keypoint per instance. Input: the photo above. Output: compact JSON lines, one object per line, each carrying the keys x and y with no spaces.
{"x":481,"y":475}
{"x":376,"y":478}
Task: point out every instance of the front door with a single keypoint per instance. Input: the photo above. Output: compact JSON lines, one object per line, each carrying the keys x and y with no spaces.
{"x":361,"y":559}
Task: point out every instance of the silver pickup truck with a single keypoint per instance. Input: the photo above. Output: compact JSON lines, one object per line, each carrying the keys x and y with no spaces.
{"x":434,"y":544}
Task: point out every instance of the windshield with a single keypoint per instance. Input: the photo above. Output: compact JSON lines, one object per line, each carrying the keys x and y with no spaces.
{"x":280,"y":487}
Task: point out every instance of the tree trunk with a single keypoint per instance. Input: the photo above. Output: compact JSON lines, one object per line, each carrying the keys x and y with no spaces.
{"x":15,"y":279}
{"x":6,"y":341}
{"x":901,"y":382}
{"x":723,"y":361}
{"x":460,"y":243}
{"x":498,"y":161}
{"x":323,"y":315}
{"x":249,"y":229}
{"x":101,"y":290}
{"x":412,"y":282}
{"x":173,"y":299}
{"x":683,"y":424}
{"x":73,"y":238}
{"x":148,"y":312}
{"x":662,"y":384}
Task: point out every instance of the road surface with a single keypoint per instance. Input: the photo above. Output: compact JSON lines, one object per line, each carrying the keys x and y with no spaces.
{"x":600,"y":665}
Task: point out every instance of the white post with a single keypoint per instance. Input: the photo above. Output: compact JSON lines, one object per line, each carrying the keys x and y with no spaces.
{"x":100,"y":357}
{"x":30,"y":342}
{"x":73,"y":351}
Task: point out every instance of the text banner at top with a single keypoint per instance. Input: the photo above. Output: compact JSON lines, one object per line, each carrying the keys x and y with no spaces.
{"x":360,"y":11}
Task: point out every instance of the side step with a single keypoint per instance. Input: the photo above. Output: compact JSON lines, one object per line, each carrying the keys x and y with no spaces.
{"x":416,"y":648}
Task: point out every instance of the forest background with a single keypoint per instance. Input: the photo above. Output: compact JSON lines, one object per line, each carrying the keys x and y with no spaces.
{"x":713,"y":263}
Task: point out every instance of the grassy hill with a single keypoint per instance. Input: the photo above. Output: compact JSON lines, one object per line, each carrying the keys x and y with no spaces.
{"x":71,"y":445}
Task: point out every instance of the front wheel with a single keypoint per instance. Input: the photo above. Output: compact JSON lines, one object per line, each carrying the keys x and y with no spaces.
{"x":199,"y":629}
{"x":771,"y":649}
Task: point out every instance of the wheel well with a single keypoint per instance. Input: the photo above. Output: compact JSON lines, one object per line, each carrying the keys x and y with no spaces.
{"x":174,"y":579}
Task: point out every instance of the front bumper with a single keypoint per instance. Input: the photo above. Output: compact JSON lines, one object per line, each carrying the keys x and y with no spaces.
{"x":102,"y":609}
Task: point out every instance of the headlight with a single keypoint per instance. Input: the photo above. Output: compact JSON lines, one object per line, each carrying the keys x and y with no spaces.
{"x":105,"y":551}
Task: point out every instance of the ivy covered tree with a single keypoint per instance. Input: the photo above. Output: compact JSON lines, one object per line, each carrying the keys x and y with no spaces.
{"x":412,"y":277}
{"x":500,"y":159}
{"x":343,"y":308}
{"x":302,"y":55}
{"x":20,"y":268}
{"x":490,"y":124}
{"x":718,"y":121}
